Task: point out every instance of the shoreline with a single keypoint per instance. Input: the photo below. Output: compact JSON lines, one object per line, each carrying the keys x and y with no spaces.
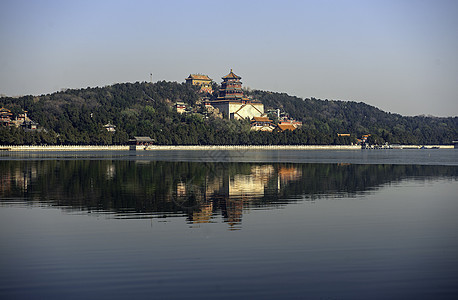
{"x":198,"y":147}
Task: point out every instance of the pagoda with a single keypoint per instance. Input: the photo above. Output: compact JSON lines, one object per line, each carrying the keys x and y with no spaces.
{"x":233,"y":103}
{"x":231,"y":88}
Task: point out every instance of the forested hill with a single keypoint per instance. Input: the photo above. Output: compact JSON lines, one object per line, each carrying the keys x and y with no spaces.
{"x":359,"y":118}
{"x":146,"y":109}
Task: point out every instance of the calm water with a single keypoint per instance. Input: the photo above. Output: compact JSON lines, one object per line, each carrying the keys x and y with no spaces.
{"x":229,"y":225}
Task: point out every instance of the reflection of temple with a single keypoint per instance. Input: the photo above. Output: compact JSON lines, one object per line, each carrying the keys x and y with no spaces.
{"x":225,"y":190}
{"x":203,"y":192}
{"x":232,"y":212}
{"x":288,"y":174}
{"x":110,"y":171}
{"x":232,"y":192}
{"x":242,"y":186}
{"x":251,"y":185}
{"x":204,"y":215}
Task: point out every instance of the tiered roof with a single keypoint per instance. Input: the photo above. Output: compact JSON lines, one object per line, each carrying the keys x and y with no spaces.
{"x":231,"y":75}
{"x":5,"y":116}
{"x":5,"y":111}
{"x":231,"y":88}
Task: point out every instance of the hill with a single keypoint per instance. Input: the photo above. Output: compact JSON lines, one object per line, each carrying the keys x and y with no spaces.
{"x":77,"y":116}
{"x":334,"y":116}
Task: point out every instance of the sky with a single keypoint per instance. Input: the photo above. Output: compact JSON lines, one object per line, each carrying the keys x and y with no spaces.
{"x":398,"y":55}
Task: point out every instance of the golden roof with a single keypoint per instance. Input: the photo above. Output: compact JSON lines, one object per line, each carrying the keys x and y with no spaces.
{"x":231,"y":75}
{"x":5,"y":111}
{"x":199,"y":77}
{"x":261,"y":119}
{"x":284,"y":127}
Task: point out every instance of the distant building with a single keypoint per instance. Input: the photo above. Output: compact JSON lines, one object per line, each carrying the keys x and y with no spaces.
{"x":21,"y":120}
{"x":110,"y":127}
{"x":294,"y":123}
{"x":22,"y":117}
{"x":231,"y":87}
{"x":262,"y":124}
{"x":24,"y":121}
{"x":232,"y":102}
{"x":5,"y":117}
{"x":29,"y":125}
{"x":203,"y":81}
{"x":363,"y":139}
{"x":207,"y":103}
{"x":284,"y":127}
{"x":181,"y":107}
{"x":140,"y":143}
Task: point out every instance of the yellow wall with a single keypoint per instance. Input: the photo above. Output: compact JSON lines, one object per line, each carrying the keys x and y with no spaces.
{"x":200,"y":82}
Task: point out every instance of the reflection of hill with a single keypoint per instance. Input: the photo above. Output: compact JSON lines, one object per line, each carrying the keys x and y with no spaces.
{"x":200,"y":190}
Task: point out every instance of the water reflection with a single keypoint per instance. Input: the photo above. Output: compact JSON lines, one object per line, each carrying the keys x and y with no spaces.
{"x":202,"y":192}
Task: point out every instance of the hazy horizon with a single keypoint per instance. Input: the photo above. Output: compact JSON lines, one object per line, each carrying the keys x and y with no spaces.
{"x":399,"y":56}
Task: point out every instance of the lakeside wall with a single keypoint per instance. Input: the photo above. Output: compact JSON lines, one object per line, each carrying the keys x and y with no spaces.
{"x":257,"y":147}
{"x":174,"y":147}
{"x":63,"y":148}
{"x":198,"y":147}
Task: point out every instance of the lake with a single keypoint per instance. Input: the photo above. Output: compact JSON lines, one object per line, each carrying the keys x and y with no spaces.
{"x":251,"y":224}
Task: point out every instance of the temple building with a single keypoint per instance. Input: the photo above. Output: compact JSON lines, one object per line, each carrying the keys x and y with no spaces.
{"x":262,"y":124}
{"x":5,"y":117}
{"x":284,"y":127}
{"x":109,"y":127}
{"x":231,"y":88}
{"x":180,"y":107}
{"x":290,"y":122}
{"x":232,"y":102}
{"x":203,"y":81}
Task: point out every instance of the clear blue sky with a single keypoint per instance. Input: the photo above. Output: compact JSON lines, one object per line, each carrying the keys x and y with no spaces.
{"x":398,"y":55}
